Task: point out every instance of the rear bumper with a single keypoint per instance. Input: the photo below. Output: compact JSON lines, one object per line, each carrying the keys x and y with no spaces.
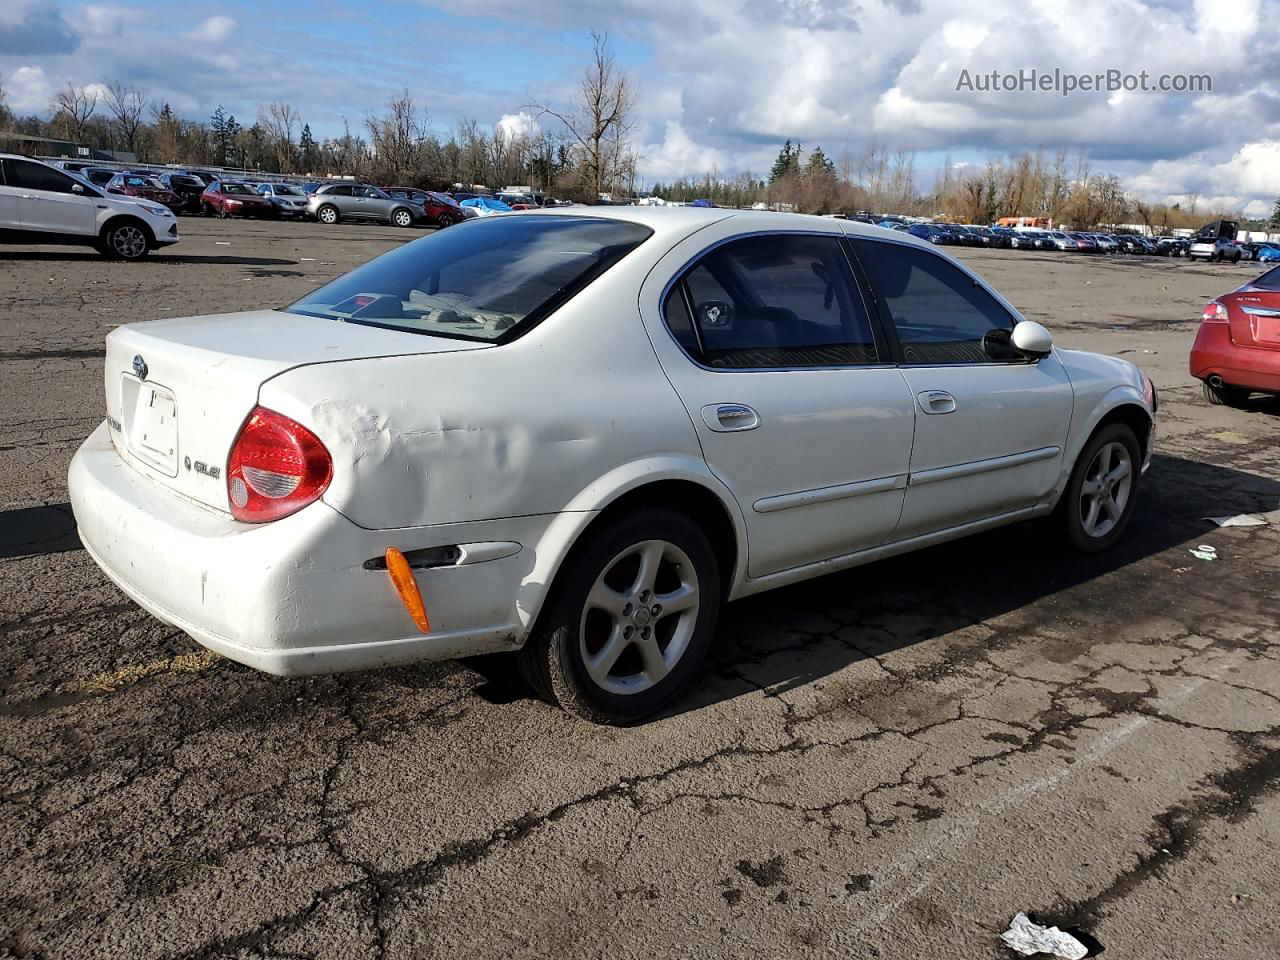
{"x":291,"y":597}
{"x":1214,"y":352}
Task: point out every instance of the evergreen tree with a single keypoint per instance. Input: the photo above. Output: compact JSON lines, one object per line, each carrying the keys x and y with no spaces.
{"x":307,"y":149}
{"x":819,"y":165}
{"x":1275,"y":216}
{"x":788,"y":162}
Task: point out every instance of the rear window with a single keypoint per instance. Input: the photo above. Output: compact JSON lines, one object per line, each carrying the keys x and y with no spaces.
{"x":1269,"y":280}
{"x":484,"y":280}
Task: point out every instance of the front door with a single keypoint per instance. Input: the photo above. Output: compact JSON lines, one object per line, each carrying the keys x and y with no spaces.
{"x":797,"y":408}
{"x":990,"y":425}
{"x":51,"y":202}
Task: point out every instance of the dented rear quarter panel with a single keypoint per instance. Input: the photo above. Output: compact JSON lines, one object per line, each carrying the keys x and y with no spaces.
{"x":529,"y":427}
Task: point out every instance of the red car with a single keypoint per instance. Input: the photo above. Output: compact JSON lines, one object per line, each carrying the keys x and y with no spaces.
{"x":143,"y":187}
{"x":1237,"y":349}
{"x":439,"y":209}
{"x":230,"y":198}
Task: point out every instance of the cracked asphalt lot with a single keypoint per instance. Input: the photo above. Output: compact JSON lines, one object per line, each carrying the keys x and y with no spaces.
{"x":884,"y":763}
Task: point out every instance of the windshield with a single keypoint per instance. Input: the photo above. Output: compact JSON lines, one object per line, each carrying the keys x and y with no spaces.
{"x":284,"y":189}
{"x":238,"y":188}
{"x":483,"y":281}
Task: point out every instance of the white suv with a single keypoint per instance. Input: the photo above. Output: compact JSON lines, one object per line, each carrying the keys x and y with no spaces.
{"x":41,"y":204}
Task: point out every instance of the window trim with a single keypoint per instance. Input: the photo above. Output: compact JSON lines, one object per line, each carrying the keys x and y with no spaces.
{"x":886,"y":318}
{"x":883,"y":355}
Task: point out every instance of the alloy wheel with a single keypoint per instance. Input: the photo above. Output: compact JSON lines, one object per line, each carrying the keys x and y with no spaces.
{"x":129,"y":242}
{"x":1105,"y":490}
{"x":639,"y":617}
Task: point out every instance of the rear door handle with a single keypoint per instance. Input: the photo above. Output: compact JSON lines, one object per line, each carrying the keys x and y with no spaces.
{"x":730,"y":417}
{"x":936,"y":401}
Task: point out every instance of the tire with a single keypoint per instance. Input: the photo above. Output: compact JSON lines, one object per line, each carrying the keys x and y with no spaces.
{"x":445,"y":220}
{"x":1225,"y":395}
{"x":328,"y":215}
{"x":1236,"y":258}
{"x":206,"y":210}
{"x":401,"y":217}
{"x":1089,"y":529}
{"x":654,"y":655}
{"x":127,"y":240}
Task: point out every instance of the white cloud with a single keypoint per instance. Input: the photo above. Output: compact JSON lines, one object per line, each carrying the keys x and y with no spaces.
{"x":28,"y":90}
{"x":516,"y":126}
{"x":213,"y":30}
{"x":677,"y":155}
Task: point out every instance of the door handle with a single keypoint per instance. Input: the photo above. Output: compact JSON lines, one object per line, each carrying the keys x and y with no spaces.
{"x":936,"y":401}
{"x":730,"y":417}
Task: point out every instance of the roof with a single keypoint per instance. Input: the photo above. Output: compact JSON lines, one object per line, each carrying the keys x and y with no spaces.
{"x":676,"y":223}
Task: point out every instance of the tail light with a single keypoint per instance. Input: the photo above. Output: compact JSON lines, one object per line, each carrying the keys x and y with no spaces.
{"x":276,"y":468}
{"x":1214,"y":312}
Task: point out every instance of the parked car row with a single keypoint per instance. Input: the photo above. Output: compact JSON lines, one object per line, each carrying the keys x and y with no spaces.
{"x":197,"y":193}
{"x":1026,"y":238}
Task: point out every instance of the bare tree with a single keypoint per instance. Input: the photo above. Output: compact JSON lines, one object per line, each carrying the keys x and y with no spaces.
{"x":75,"y":105}
{"x":126,"y":105}
{"x":397,"y":139}
{"x":279,"y":120}
{"x":601,"y":119}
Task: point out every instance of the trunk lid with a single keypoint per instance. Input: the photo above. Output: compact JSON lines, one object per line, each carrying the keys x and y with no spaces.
{"x":1254,"y":316}
{"x":178,"y":391}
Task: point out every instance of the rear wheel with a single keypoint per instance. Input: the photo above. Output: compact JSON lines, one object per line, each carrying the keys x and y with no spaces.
{"x":1236,"y":258}
{"x":1225,"y":395}
{"x":401,"y":217}
{"x":445,"y":220}
{"x":1098,"y":502}
{"x":328,"y":214}
{"x":629,"y":619}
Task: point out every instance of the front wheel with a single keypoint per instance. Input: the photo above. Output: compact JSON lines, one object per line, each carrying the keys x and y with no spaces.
{"x":629,"y":619}
{"x":125,"y":241}
{"x":402,"y":218}
{"x":327,"y":215}
{"x":1098,"y":502}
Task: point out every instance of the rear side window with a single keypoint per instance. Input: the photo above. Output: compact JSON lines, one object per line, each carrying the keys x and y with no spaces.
{"x":485,"y":280}
{"x":939,"y":312}
{"x":36,"y":176}
{"x":775,"y":300}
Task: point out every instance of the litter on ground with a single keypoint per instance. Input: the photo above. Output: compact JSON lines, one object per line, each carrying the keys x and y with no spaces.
{"x":1204,"y":552}
{"x":1027,"y":938}
{"x":1241,"y":520}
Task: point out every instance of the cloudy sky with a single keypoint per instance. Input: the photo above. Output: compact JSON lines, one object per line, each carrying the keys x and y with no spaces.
{"x":722,"y":82}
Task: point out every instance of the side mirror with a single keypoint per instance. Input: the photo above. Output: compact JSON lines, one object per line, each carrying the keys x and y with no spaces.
{"x":1032,"y":340}
{"x":76,"y":188}
{"x":714,"y":313}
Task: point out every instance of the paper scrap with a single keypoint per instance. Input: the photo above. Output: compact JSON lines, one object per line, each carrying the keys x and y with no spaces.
{"x":1241,"y":520}
{"x":1204,"y":552}
{"x":1028,"y":938}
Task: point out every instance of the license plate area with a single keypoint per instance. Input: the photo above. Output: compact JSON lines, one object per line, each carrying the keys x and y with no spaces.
{"x":150,"y":421}
{"x":1266,"y":330}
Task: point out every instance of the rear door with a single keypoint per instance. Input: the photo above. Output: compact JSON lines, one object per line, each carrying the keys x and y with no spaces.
{"x":798,"y":410}
{"x":990,"y":425}
{"x":51,"y":202}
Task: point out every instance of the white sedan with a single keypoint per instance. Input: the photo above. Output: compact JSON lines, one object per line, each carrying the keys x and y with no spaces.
{"x":574,"y":434}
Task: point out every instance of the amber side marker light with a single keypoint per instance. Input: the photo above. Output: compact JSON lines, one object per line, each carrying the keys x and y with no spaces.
{"x":403,"y":580}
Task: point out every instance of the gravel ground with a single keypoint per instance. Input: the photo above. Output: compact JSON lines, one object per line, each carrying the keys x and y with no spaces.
{"x":885,"y":763}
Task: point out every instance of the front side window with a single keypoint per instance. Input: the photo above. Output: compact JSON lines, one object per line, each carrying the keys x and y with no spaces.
{"x":775,"y":300}
{"x":940,"y":313}
{"x":36,"y":176}
{"x":489,"y":280}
